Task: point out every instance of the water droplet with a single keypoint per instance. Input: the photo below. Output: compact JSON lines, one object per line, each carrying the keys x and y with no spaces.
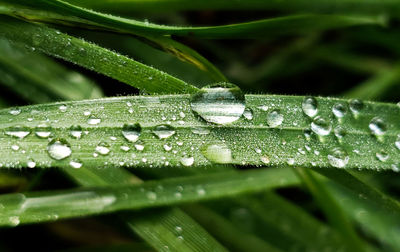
{"x":382,"y":156}
{"x":274,"y":118}
{"x":163,"y":131}
{"x":339,"y":110}
{"x":377,"y":126}
{"x":75,"y":163}
{"x":31,"y":164}
{"x":187,"y":161}
{"x":167,"y":147}
{"x":356,"y":106}
{"x":248,"y":114}
{"x":18,"y":131}
{"x":14,"y":221}
{"x":75,"y":131}
{"x":395,"y":167}
{"x":338,"y":158}
{"x":131,"y":132}
{"x":15,"y":147}
{"x":397,"y":142}
{"x":43,"y":131}
{"x":151,"y":195}
{"x":310,"y":106}
{"x":15,"y":111}
{"x":178,"y":229}
{"x":182,"y":115}
{"x":62,"y":108}
{"x":93,"y":120}
{"x":265,"y":160}
{"x":320,"y":126}
{"x":220,"y":103}
{"x":218,"y":153}
{"x":59,"y":149}
{"x":200,"y":191}
{"x":103,"y":148}
{"x":290,"y":161}
{"x":125,"y":148}
{"x":340,"y":132}
{"x":201,"y":131}
{"x":139,"y":147}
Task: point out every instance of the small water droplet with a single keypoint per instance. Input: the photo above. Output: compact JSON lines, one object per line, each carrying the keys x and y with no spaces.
{"x":59,"y":149}
{"x":103,"y":148}
{"x":131,"y":132}
{"x":356,"y":106}
{"x":200,"y":131}
{"x":15,"y":147}
{"x":15,"y":111}
{"x":397,"y":142}
{"x":310,"y":106}
{"x":377,"y":126}
{"x":200,"y":191}
{"x":43,"y":131}
{"x":382,"y":156}
{"x":151,"y":195}
{"x":76,"y":163}
{"x":62,"y":108}
{"x":163,"y":131}
{"x":218,"y":153}
{"x":320,"y":126}
{"x":75,"y":131}
{"x":14,"y":221}
{"x":125,"y":148}
{"x":274,"y":118}
{"x":93,"y":120}
{"x":248,"y":114}
{"x":339,"y":110}
{"x":139,"y":147}
{"x":265,"y":160}
{"x":31,"y":164}
{"x":338,"y":158}
{"x":187,"y":161}
{"x":340,"y":132}
{"x":395,"y":167}
{"x":220,"y":103}
{"x":18,"y":131}
{"x":178,"y":229}
{"x":290,"y":161}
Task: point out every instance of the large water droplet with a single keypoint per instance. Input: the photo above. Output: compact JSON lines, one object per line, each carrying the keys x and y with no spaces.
{"x":163,"y":131}
{"x":339,"y":110}
{"x":310,"y":106}
{"x":338,"y":158}
{"x":59,"y":149}
{"x":274,"y":118}
{"x":356,"y":106}
{"x":131,"y":132}
{"x":218,"y":153}
{"x":220,"y":103}
{"x":18,"y":131}
{"x":320,"y":126}
{"x":43,"y":131}
{"x":377,"y":126}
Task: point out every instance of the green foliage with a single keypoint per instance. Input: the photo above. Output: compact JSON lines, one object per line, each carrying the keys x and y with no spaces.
{"x":195,"y":163}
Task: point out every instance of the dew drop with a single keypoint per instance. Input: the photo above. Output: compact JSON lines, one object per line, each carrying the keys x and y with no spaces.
{"x":93,"y":120}
{"x":163,"y":131}
{"x":220,"y":103}
{"x":167,"y":147}
{"x":200,"y":191}
{"x":15,"y":147}
{"x":59,"y":149}
{"x":339,"y":110}
{"x":397,"y":142}
{"x":265,"y":160}
{"x":248,"y":114}
{"x":310,"y":106}
{"x":395,"y":167}
{"x":187,"y":161}
{"x":14,"y":221}
{"x":125,"y":148}
{"x":274,"y":118}
{"x":338,"y":158}
{"x":43,"y":131}
{"x":31,"y":164}
{"x":75,"y":131}
{"x":200,"y":131}
{"x":131,"y":132}
{"x":340,"y":132}
{"x":218,"y":153}
{"x":18,"y":131}
{"x":151,"y":195}
{"x":382,"y":156}
{"x":377,"y":126}
{"x":15,"y":111}
{"x":76,"y":163}
{"x":62,"y":108}
{"x":103,"y":148}
{"x":139,"y":147}
{"x":320,"y":126}
{"x":356,"y":106}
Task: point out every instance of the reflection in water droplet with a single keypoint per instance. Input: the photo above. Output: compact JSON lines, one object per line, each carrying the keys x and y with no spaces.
{"x":93,"y":120}
{"x":218,"y":153}
{"x":356,"y":106}
{"x":75,"y":163}
{"x":382,"y":156}
{"x":75,"y":131}
{"x":187,"y":161}
{"x":338,"y":158}
{"x":18,"y":131}
{"x":220,"y":103}
{"x":43,"y":131}
{"x":248,"y":114}
{"x":339,"y":110}
{"x":320,"y":126}
{"x":274,"y":118}
{"x":103,"y":148}
{"x":59,"y":149}
{"x":377,"y":126}
{"x":131,"y":132}
{"x":163,"y":131}
{"x":310,"y":106}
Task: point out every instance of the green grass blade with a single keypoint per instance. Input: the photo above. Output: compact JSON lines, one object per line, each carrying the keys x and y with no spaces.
{"x":54,"y":43}
{"x":48,"y":206}
{"x":102,"y":142}
{"x":332,"y":210}
{"x":268,"y":27}
{"x":39,"y":79}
